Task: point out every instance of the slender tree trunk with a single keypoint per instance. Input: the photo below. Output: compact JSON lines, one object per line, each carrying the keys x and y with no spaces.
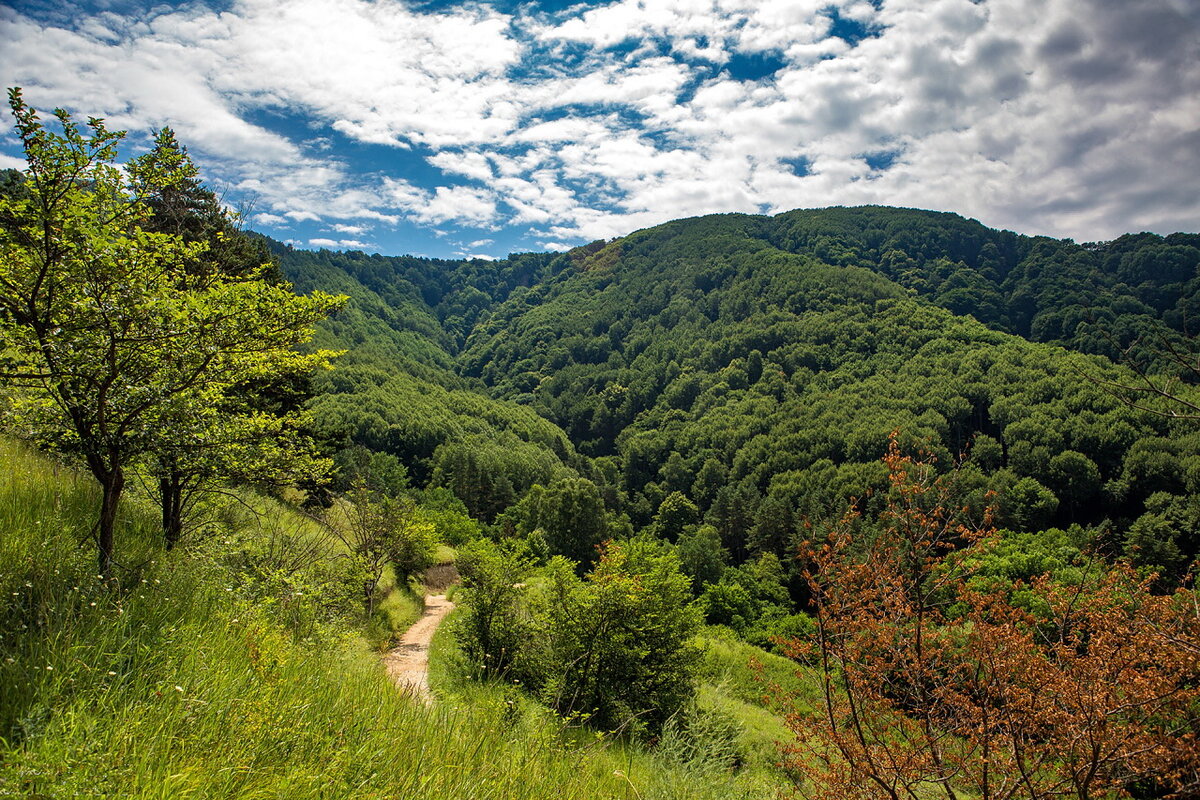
{"x":170,"y":487}
{"x":111,"y":484}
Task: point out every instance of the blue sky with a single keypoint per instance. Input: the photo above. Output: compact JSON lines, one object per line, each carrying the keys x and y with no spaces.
{"x":456,"y":129}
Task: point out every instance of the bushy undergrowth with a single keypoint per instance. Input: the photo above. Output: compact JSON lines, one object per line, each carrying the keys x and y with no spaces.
{"x":204,"y":675}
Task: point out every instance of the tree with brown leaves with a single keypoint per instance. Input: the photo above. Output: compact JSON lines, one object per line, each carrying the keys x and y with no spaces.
{"x":935,"y":683}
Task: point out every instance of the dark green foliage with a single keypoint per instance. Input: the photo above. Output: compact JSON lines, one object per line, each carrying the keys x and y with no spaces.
{"x":380,"y":472}
{"x":567,"y":518}
{"x":675,"y":514}
{"x":396,"y":390}
{"x":1166,"y":539}
{"x":752,"y":368}
{"x":747,"y":594}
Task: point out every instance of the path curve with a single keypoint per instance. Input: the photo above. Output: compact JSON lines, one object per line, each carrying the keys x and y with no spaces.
{"x":408,"y":662}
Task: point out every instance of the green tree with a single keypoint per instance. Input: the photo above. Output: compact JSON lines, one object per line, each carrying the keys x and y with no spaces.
{"x":105,"y":354}
{"x":493,"y":627}
{"x":568,"y":516}
{"x":258,"y":435}
{"x":701,"y":555}
{"x":378,"y":530}
{"x":616,"y":646}
{"x":1075,"y":478}
{"x":675,"y":514}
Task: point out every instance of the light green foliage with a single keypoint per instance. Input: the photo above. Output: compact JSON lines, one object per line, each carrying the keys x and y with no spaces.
{"x":379,"y":530}
{"x":701,"y":555}
{"x":207,"y":681}
{"x":729,"y":604}
{"x":107,"y":355}
{"x":449,"y":516}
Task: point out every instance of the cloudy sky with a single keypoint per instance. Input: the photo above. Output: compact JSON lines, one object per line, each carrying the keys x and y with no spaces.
{"x":482,"y":128}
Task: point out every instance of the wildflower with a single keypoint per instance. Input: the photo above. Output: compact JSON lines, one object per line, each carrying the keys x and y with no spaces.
{"x":49,"y":668}
{"x":111,"y":673}
{"x":179,"y":688}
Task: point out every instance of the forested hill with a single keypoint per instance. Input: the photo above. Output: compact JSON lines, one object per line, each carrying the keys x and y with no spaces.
{"x":746,"y":371}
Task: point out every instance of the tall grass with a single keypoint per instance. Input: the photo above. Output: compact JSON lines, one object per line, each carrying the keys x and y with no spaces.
{"x":191,"y":680}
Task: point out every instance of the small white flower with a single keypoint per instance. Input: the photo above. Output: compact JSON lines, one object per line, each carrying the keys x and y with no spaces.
{"x":111,"y":673}
{"x":179,"y":688}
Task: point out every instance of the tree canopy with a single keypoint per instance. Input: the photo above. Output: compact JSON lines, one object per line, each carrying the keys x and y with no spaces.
{"x":106,"y":352}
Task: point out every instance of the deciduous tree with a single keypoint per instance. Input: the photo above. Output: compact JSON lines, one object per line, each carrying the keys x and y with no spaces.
{"x":936,"y":684}
{"x":103,"y":351}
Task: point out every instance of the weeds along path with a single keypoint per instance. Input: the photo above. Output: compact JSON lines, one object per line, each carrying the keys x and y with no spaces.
{"x":408,"y":662}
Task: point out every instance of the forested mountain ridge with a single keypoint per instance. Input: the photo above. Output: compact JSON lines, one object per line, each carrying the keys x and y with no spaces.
{"x":397,"y":391}
{"x":749,"y":369}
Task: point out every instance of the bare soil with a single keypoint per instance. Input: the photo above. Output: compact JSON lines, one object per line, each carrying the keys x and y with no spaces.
{"x":408,"y":662}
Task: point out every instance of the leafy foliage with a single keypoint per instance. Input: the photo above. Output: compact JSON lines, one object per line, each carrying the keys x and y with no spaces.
{"x":108,"y":355}
{"x":937,"y":683}
{"x":613,"y":647}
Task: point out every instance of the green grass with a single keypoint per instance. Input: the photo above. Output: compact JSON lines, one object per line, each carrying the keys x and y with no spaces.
{"x":211,"y":672}
{"x":731,"y":691}
{"x":399,"y":607}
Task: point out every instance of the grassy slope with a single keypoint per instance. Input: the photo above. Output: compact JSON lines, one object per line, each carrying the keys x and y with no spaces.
{"x":193,"y":680}
{"x":739,"y":689}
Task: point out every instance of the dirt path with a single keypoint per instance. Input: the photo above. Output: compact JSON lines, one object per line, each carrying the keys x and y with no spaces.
{"x":408,"y":662}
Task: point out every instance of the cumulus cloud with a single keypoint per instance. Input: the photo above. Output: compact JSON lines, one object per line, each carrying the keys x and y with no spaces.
{"x":1066,"y":117}
{"x":337,"y":243}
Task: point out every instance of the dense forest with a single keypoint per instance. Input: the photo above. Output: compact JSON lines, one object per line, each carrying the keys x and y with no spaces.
{"x":747,"y":371}
{"x":861,"y":502}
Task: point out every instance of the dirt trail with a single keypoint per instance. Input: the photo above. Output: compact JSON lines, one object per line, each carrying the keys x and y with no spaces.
{"x":408,"y":662}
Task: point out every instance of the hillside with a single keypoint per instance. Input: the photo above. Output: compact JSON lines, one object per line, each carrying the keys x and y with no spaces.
{"x":647,"y":432}
{"x":236,"y":668}
{"x":757,"y":365}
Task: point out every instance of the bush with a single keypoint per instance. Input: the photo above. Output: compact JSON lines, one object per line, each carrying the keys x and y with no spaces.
{"x":616,"y":646}
{"x":492,"y":626}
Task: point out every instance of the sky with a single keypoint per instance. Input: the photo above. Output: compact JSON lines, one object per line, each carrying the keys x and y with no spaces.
{"x":477,"y":129}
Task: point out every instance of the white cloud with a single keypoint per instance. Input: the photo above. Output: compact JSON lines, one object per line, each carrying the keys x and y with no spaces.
{"x":1067,"y":117}
{"x":338,"y":243}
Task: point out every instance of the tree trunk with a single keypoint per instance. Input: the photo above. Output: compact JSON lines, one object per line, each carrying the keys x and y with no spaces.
{"x":111,"y":484}
{"x":170,"y":487}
